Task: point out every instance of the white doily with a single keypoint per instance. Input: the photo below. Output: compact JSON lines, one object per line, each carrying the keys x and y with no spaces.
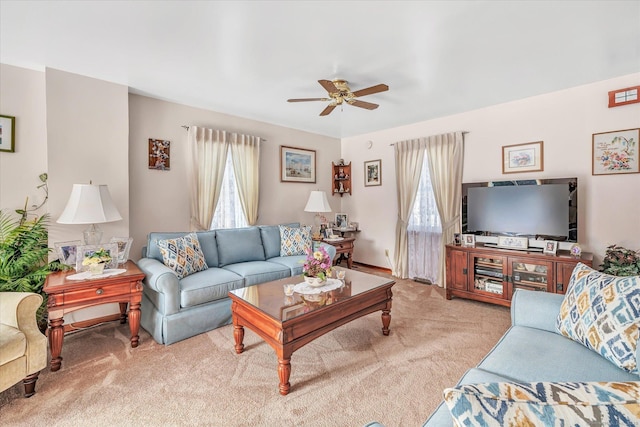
{"x":304,"y":288}
{"x":87,"y":274}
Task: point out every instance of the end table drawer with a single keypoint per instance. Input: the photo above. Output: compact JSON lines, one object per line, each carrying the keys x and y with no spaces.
{"x":97,"y":292}
{"x":344,"y":246}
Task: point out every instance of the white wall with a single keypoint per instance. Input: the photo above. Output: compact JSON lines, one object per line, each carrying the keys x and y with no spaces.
{"x":22,"y":95}
{"x":609,"y":206}
{"x":159,"y":199}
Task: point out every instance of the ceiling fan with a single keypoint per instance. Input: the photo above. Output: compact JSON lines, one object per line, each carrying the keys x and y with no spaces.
{"x":339,"y":93}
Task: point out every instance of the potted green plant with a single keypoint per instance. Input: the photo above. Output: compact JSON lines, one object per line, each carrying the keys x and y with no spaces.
{"x":619,"y":261}
{"x":24,"y":253}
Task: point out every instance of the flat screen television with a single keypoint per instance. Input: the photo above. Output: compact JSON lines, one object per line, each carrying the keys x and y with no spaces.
{"x":539,"y":209}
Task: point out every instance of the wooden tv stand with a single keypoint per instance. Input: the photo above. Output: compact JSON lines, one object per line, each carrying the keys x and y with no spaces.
{"x":490,"y":274}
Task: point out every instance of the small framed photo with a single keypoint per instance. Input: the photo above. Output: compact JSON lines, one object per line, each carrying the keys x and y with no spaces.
{"x":616,"y":152}
{"x":550,"y":247}
{"x":457,"y":238}
{"x":7,"y":133}
{"x":527,"y":157}
{"x":468,"y":240}
{"x":67,"y":252}
{"x":372,"y":173}
{"x":124,"y":246}
{"x":85,"y":251}
{"x":297,"y":165}
{"x":342,"y":220}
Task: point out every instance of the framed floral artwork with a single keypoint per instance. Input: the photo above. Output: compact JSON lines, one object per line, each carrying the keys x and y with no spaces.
{"x":527,"y":157}
{"x":615,"y":152}
{"x":159,"y":154}
{"x":297,"y":165}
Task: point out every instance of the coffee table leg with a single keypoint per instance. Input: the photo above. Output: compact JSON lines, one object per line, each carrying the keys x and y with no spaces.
{"x":284,"y":372}
{"x":386,"y":321}
{"x":238,"y":335}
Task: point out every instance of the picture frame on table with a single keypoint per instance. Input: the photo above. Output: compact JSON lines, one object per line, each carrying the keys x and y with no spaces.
{"x":84,"y":251}
{"x":528,"y":157}
{"x":468,"y":240}
{"x":372,"y":173}
{"x":67,"y":252}
{"x":297,"y":165}
{"x":615,"y":152}
{"x":124,"y":247}
{"x":7,"y":134}
{"x":342,"y":220}
{"x":550,"y":247}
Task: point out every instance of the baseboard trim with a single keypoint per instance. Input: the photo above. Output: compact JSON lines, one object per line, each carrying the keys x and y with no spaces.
{"x":375,"y":267}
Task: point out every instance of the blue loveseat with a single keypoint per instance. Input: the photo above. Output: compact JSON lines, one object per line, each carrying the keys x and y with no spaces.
{"x":533,"y":351}
{"x":175,"y":309}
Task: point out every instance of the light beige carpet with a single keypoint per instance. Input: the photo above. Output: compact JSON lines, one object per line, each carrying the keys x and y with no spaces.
{"x":348,"y":377}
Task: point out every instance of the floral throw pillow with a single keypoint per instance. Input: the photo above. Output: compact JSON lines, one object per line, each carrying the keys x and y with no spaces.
{"x":183,"y":255}
{"x":602,"y":312}
{"x":294,"y":240}
{"x":554,"y":404}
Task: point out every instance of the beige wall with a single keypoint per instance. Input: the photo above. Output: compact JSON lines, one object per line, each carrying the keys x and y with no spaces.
{"x":159,"y":199}
{"x":565,"y":121}
{"x":22,"y":95}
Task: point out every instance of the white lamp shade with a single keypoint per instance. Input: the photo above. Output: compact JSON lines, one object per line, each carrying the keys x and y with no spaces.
{"x":89,"y":204}
{"x":318,"y":202}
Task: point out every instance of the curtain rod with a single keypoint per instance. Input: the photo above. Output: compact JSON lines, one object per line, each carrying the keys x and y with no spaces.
{"x":464,"y":132}
{"x":187,"y":128}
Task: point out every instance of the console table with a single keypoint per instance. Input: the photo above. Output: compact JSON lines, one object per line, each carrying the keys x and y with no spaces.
{"x":67,"y":295}
{"x":344,"y":249}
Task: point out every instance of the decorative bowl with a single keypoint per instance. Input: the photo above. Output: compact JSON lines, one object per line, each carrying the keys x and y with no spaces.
{"x":315,"y":282}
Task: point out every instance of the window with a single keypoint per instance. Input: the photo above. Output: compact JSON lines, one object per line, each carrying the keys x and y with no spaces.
{"x":228,"y":212}
{"x":425,"y":231}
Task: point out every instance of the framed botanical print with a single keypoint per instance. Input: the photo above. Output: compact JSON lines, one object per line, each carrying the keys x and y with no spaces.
{"x":527,"y":157}
{"x":616,"y":152}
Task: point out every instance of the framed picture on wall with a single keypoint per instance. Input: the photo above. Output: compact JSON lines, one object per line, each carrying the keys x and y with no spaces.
{"x":297,"y":165}
{"x":616,"y":152}
{"x":527,"y":157}
{"x":7,"y":133}
{"x":159,"y":154}
{"x":372,"y":173}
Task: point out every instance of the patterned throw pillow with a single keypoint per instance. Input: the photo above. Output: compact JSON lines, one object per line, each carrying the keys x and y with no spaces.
{"x":294,"y":240}
{"x":183,"y":255}
{"x":602,"y":312}
{"x":545,"y":404}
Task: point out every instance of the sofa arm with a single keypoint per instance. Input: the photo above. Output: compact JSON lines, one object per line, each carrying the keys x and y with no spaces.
{"x":331,"y":250}
{"x":163,"y":280}
{"x":535,"y":309}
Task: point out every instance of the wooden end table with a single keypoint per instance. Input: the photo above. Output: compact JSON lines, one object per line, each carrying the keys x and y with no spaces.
{"x":67,"y":295}
{"x":344,"y":249}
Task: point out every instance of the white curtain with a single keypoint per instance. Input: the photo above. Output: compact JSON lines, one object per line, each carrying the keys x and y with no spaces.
{"x":208,"y":155}
{"x":409,"y":156}
{"x":245,"y":155}
{"x":446,"y":153}
{"x":424,"y":231}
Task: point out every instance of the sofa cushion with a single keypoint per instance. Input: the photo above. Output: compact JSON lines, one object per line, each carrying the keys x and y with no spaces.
{"x":294,"y":240}
{"x":271,"y":239}
{"x":294,"y":263}
{"x":239,"y":245}
{"x":206,"y":286}
{"x":602,"y":312}
{"x":255,"y":272}
{"x":545,"y":403}
{"x":183,"y":255}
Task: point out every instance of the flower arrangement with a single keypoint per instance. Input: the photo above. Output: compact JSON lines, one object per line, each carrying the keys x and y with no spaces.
{"x":101,"y":256}
{"x":318,"y":264}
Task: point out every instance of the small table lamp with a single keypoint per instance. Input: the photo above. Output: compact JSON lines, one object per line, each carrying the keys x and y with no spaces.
{"x":90,"y":204}
{"x":317,"y":203}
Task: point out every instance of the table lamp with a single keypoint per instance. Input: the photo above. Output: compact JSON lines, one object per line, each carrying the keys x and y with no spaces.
{"x":90,"y":204}
{"x":317,"y":203}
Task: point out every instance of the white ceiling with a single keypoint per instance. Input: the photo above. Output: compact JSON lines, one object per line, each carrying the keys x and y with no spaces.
{"x":247,"y":58}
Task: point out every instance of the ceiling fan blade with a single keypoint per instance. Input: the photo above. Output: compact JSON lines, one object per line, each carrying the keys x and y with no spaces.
{"x":371,"y":90}
{"x":328,"y":86}
{"x":362,"y":104}
{"x":308,"y":99}
{"x":328,"y":110}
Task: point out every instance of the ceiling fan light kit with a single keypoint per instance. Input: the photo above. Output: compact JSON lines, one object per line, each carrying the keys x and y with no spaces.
{"x":340,"y":93}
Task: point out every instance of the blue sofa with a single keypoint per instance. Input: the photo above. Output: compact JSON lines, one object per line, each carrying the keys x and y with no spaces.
{"x":175,"y":309}
{"x":532,"y":351}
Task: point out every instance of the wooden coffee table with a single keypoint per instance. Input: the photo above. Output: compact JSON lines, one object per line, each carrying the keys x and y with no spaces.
{"x":288,"y":323}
